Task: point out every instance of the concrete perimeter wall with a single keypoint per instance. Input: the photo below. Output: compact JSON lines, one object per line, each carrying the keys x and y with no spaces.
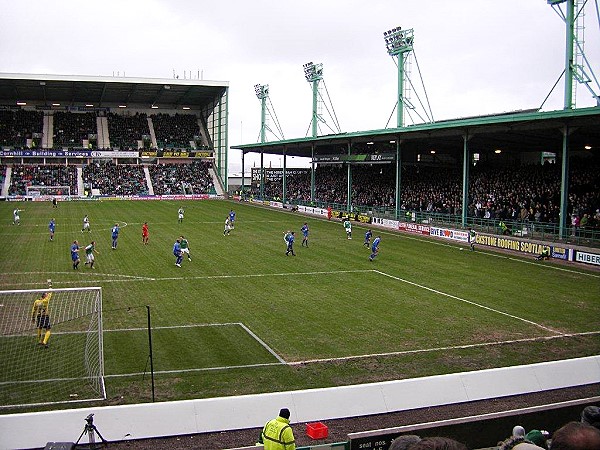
{"x":116,"y":423}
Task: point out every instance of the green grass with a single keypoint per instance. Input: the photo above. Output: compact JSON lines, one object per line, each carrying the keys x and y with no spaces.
{"x":421,"y":308}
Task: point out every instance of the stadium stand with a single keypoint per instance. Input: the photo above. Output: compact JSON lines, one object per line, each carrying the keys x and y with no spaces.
{"x":16,"y":127}
{"x":71,"y":129}
{"x":44,"y":175}
{"x":114,"y":179}
{"x":175,"y":131}
{"x":530,"y":192}
{"x":172,"y":178}
{"x":125,"y":131}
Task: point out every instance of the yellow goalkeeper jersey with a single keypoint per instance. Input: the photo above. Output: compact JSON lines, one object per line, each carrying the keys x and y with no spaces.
{"x":40,"y":306}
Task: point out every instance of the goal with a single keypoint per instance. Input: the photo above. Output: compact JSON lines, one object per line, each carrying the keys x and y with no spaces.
{"x":43,"y":193}
{"x":71,"y":367}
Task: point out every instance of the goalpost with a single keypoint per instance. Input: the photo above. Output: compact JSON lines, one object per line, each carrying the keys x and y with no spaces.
{"x":71,"y":367}
{"x":42,"y":193}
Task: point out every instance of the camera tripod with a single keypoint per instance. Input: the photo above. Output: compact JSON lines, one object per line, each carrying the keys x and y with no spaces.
{"x":91,"y":431}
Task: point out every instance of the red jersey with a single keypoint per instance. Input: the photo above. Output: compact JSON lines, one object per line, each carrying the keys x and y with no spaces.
{"x":145,"y":230}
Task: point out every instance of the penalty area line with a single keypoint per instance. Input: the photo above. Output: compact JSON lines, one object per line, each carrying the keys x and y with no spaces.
{"x":437,"y":349}
{"x":200,"y":369}
{"x":240,"y":324}
{"x":261,"y":275}
{"x":127,"y":278}
{"x":445,"y":294}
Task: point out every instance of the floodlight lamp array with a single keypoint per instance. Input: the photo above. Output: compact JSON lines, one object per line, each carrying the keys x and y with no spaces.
{"x":313,"y":72}
{"x":262,"y":90}
{"x":398,"y":40}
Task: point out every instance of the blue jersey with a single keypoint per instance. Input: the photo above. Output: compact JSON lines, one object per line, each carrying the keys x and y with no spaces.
{"x":115,"y":232}
{"x":51,"y":226}
{"x":375,"y":245}
{"x":231,"y":216}
{"x":177,"y":249}
{"x":304,"y":230}
{"x":368,"y":235}
{"x":74,"y":252}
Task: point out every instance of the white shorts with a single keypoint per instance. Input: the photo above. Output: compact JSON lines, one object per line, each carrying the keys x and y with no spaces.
{"x":86,"y":226}
{"x":185,"y":250}
{"x":89,"y":257}
{"x":181,"y":216}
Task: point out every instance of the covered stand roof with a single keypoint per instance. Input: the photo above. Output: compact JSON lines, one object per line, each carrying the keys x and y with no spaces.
{"x":72,"y":90}
{"x":521,"y":131}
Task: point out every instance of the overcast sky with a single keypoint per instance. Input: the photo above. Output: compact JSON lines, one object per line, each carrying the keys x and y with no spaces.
{"x":476,"y":56}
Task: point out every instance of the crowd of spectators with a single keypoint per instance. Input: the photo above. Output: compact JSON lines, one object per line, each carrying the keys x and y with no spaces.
{"x":583,"y":434}
{"x":529,"y":193}
{"x":125,"y":131}
{"x":71,"y":129}
{"x":16,"y":126}
{"x":172,"y":178}
{"x":109,"y":178}
{"x":175,"y":131}
{"x":41,"y":175}
{"x":113,"y":179}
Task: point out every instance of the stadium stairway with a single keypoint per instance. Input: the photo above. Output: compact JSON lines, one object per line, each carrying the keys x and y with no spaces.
{"x":6,"y":184}
{"x":126,"y":422}
{"x":103,"y":135}
{"x":152,"y":133}
{"x":80,"y":187}
{"x":148,"y":181}
{"x":48,"y":131}
{"x":216,"y":181}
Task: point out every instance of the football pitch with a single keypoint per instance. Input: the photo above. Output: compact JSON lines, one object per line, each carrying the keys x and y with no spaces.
{"x":242,"y":317}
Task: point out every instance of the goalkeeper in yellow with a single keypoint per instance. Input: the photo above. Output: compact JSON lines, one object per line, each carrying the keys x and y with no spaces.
{"x":41,"y":317}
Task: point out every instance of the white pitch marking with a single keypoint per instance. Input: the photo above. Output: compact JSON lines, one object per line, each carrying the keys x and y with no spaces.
{"x":74,"y":272}
{"x":171,"y":327}
{"x":471,"y":302}
{"x":435,"y":349}
{"x":260,"y":275}
{"x":244,"y":327}
{"x":198,"y":277}
{"x":259,"y":340}
{"x":203,"y":369}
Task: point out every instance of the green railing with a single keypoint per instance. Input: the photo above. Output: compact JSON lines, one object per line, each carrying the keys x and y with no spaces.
{"x":525,"y":229}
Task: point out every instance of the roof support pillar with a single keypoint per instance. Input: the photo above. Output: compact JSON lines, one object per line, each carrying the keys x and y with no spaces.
{"x":398,"y":178}
{"x":564,"y":184}
{"x":349,"y":189}
{"x":465,"y":180}
{"x":283,"y":183}
{"x":312,"y":174}
{"x":262,"y":174}
{"x":242,"y":188}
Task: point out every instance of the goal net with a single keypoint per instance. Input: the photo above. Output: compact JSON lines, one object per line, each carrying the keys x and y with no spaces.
{"x":43,"y":193}
{"x":65,"y":365}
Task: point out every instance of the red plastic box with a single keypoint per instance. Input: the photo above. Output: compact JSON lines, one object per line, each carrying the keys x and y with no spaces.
{"x":316,"y":430}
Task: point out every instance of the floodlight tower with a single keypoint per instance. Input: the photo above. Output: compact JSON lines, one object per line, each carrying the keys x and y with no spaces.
{"x":314,"y":74}
{"x":262,"y":92}
{"x":398,"y":42}
{"x":576,"y":62}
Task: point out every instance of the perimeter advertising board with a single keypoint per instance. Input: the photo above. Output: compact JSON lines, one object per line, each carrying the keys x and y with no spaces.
{"x":587,"y":258}
{"x":449,"y":233}
{"x":415,"y":228}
